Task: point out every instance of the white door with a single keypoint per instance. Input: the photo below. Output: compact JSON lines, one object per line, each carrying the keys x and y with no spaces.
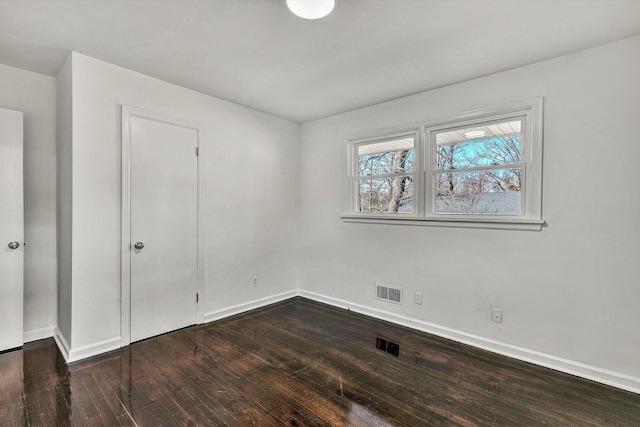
{"x":164,"y":233}
{"x":11,"y":229}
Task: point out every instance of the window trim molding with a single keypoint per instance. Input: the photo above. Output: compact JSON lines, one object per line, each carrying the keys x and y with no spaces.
{"x":493,"y":223}
{"x":532,"y":112}
{"x":351,"y":143}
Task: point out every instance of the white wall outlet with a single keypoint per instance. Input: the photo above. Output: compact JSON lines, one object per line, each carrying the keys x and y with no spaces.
{"x":255,"y":281}
{"x":496,"y":315}
{"x":417,"y":298}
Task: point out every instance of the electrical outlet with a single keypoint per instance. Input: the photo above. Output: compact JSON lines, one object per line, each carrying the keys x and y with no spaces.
{"x":255,"y":281}
{"x":417,"y":298}
{"x":496,"y":315}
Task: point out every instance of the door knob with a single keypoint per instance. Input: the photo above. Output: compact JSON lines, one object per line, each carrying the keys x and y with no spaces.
{"x":139,"y":245}
{"x":14,"y":245}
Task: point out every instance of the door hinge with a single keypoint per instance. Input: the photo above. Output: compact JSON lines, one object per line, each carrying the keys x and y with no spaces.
{"x":197,"y":151}
{"x":196,"y":297}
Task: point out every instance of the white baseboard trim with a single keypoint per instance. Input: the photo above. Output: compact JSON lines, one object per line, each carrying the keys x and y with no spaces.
{"x":94,"y":349}
{"x":251,"y":305}
{"x":38,"y":334}
{"x":63,"y":344}
{"x":71,"y":354}
{"x":593,"y":373}
{"x":74,"y":354}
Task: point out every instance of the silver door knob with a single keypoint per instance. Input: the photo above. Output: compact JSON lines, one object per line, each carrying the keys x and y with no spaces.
{"x":14,"y":245}
{"x":139,"y":245}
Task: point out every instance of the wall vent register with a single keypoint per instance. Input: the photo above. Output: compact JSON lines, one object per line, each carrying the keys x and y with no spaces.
{"x":385,"y":293}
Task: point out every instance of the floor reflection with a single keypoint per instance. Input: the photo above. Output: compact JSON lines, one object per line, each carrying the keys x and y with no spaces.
{"x":47,"y":386}
{"x":12,"y":389}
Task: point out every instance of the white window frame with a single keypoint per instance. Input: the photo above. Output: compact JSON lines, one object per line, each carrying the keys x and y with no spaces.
{"x":531,"y":113}
{"x":352,"y":156}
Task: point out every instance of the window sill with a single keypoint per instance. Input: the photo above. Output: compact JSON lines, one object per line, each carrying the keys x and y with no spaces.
{"x":486,"y":223}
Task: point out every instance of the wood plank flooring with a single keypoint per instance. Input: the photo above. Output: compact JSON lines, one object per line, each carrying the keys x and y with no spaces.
{"x":298,"y":363}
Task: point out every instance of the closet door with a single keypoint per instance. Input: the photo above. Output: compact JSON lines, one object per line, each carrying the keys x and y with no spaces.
{"x":11,"y":230}
{"x":164,"y":232}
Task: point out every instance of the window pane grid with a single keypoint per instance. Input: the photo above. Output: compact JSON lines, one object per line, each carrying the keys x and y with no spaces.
{"x":387,"y":175}
{"x":478,"y":169}
{"x":389,"y":194}
{"x":488,"y":192}
{"x":387,"y":162}
{"x":384,"y":175}
{"x":477,"y":152}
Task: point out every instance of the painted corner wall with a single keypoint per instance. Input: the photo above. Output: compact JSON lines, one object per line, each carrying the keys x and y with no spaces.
{"x":64,"y":183}
{"x":249,"y":188}
{"x":569,"y":293}
{"x":35,"y":95}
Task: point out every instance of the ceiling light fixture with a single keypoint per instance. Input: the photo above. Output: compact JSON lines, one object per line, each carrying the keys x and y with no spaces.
{"x":474,"y":134}
{"x":311,"y":9}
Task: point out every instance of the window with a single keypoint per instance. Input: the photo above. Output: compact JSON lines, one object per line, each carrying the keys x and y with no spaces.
{"x":478,"y":169}
{"x":475,"y":169}
{"x":386,"y":175}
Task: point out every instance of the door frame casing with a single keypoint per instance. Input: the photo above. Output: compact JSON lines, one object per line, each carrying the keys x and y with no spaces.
{"x":128,"y":113}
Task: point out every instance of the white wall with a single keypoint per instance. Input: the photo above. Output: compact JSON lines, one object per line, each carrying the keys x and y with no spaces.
{"x":64,"y":195}
{"x":249,"y":190}
{"x":35,"y":95}
{"x":570,"y":292}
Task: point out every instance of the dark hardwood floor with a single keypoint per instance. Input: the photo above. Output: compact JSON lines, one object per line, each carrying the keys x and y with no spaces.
{"x":298,"y":363}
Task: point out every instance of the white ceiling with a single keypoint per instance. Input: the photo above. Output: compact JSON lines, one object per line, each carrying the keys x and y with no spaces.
{"x":256,"y":53}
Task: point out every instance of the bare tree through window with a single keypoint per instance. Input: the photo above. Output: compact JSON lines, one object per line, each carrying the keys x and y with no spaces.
{"x":479,"y":170}
{"x":386,"y":179}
